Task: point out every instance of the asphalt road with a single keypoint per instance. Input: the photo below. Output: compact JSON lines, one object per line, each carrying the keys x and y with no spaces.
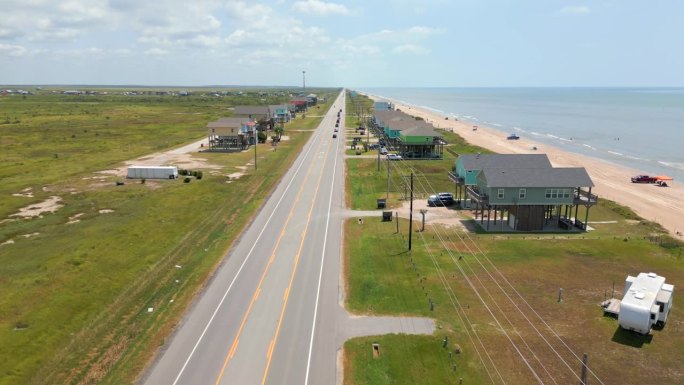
{"x":272,"y":313}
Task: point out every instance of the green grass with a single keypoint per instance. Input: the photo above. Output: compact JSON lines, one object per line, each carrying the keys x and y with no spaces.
{"x":75,"y":296}
{"x":366,"y":183}
{"x":429,"y":362}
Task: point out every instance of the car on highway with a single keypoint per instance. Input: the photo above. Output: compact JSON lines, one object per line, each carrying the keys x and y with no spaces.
{"x":334,"y":136}
{"x":373,"y":146}
{"x":335,"y":129}
{"x":393,"y":157}
{"x":441,"y":199}
{"x":383,"y":151}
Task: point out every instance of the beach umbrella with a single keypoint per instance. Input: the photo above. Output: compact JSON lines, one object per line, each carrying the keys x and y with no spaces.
{"x":663,"y":177}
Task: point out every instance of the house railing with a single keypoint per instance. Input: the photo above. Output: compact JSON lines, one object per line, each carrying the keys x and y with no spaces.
{"x":582,"y":197}
{"x":477,"y":196}
{"x":455,"y":178}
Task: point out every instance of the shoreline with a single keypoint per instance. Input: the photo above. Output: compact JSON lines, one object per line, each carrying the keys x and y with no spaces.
{"x":658,"y":204}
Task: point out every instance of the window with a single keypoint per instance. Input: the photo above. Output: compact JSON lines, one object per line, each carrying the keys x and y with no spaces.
{"x":653,"y":316}
{"x":555,"y":193}
{"x":500,"y":193}
{"x":522,"y":193}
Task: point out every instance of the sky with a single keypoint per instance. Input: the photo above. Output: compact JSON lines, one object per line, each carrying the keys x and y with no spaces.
{"x":355,"y":43}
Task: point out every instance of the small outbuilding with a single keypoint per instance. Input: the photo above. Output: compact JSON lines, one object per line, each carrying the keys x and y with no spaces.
{"x":647,"y":302}
{"x":152,"y":172}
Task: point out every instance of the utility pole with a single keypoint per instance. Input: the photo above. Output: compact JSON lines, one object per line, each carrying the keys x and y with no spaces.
{"x":411,"y":214}
{"x":388,"y":175}
{"x":255,"y":146}
{"x":583,"y":376}
{"x":378,"y":158}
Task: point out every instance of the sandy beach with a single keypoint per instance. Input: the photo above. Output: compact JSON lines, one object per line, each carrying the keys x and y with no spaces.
{"x":659,"y":204}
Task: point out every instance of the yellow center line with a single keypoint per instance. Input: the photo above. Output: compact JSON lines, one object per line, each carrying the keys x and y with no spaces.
{"x":286,"y":297}
{"x":233,"y":348}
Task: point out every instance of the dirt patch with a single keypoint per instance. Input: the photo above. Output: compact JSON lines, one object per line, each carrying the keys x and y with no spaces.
{"x":435,"y":215}
{"x":181,"y":157}
{"x":235,"y":175}
{"x":49,"y":205}
{"x":30,"y":235}
{"x":74,"y":218}
{"x":25,"y":193}
{"x":7,"y":242}
{"x":106,"y":211}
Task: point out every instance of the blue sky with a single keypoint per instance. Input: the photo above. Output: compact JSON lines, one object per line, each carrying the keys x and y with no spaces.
{"x":369,"y":43}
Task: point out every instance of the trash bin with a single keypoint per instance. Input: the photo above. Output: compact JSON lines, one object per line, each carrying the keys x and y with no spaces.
{"x":381,"y":203}
{"x":387,"y":216}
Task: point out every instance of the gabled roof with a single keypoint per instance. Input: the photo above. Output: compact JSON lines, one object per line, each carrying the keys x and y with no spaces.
{"x":537,"y":177}
{"x":482,"y":161}
{"x":383,"y":116}
{"x":420,"y":131}
{"x":228,"y":123}
{"x":404,"y":124}
{"x":254,"y":111}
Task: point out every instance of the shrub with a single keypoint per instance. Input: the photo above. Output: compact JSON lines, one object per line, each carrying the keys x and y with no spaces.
{"x":182,"y":172}
{"x":261,"y":136}
{"x":199,"y":175}
{"x":186,"y":180}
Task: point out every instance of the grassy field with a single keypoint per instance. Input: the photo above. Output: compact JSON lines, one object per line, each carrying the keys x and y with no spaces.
{"x":383,"y":278}
{"x":75,"y":295}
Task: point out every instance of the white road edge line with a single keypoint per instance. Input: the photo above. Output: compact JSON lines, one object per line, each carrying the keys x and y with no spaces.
{"x":282,"y":196}
{"x":320,"y":272}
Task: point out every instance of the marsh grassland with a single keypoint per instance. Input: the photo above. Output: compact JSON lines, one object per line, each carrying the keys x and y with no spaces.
{"x":77,"y":277}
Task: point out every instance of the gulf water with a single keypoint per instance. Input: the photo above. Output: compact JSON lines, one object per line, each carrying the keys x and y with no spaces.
{"x":641,"y":128}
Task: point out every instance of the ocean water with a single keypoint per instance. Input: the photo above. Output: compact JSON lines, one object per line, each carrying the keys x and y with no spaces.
{"x":641,"y":128}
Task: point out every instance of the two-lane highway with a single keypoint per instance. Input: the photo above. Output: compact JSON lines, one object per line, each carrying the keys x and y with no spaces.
{"x":255,"y":323}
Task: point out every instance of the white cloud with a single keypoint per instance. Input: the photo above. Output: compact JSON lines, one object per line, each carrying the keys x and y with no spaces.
{"x":156,"y":52}
{"x":12,"y":50}
{"x":411,"y":49}
{"x":576,"y":9}
{"x":317,"y":7}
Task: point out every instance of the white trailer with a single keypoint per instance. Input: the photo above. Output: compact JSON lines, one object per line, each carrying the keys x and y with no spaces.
{"x":152,"y":172}
{"x":647,"y":302}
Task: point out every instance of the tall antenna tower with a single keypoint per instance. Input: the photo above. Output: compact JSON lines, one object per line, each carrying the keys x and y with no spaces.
{"x":304,"y":80}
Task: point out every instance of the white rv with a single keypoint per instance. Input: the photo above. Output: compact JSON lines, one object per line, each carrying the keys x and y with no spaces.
{"x":152,"y":172}
{"x":647,"y":302}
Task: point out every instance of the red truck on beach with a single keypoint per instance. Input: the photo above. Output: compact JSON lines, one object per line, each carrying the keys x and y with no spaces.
{"x":643,"y":179}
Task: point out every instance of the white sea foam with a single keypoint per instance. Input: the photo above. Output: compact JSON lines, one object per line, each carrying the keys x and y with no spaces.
{"x":679,"y":166}
{"x":535,"y":133}
{"x":590,"y":147}
{"x":615,"y":153}
{"x":497,"y":125}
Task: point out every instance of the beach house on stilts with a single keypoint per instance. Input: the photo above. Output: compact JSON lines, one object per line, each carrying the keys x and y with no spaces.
{"x":524,"y":192}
